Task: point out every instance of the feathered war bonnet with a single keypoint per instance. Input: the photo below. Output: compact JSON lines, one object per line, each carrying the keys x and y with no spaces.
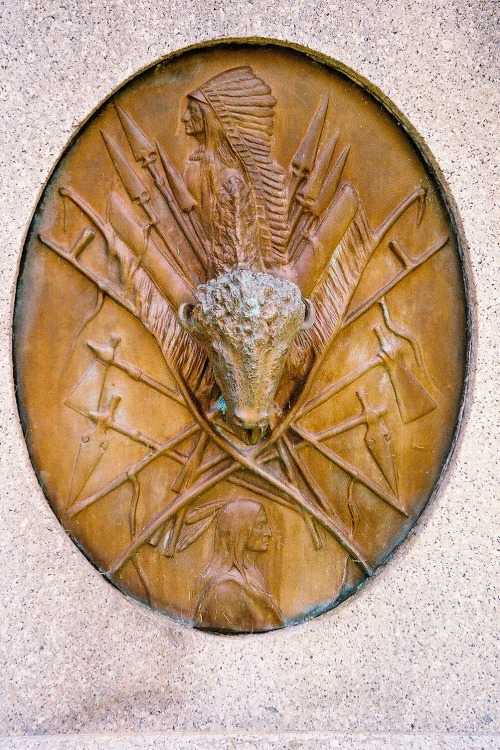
{"x":245,"y":106}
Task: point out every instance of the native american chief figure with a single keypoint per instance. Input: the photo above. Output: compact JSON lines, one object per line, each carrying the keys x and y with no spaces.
{"x":239,"y":188}
{"x":242,"y":207}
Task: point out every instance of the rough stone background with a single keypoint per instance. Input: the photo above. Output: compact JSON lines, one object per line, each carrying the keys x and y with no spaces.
{"x":408,"y":664}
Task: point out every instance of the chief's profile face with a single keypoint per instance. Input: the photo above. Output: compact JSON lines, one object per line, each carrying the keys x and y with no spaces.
{"x":193,"y":118}
{"x":261,"y":533}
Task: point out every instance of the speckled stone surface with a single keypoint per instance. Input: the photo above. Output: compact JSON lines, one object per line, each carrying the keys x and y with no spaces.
{"x":259,"y":741}
{"x":411,"y":661}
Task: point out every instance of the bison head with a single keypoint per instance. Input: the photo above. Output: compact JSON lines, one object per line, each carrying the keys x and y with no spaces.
{"x":247,"y":321}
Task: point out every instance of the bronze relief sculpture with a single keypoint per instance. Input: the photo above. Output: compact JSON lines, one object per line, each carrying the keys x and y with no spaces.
{"x":241,"y":337}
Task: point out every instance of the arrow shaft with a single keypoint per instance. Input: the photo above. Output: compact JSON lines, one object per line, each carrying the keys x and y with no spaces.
{"x":349,"y":469}
{"x":142,"y":377}
{"x":185,"y":227}
{"x":353,"y":315}
{"x":247,"y":484}
{"x":291,"y":472}
{"x":160,"y":230}
{"x":340,"y":385}
{"x":133,"y":470}
{"x":183,"y":480}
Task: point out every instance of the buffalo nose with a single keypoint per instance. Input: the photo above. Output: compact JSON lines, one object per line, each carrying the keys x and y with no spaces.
{"x":251,"y":426}
{"x":249,"y":419}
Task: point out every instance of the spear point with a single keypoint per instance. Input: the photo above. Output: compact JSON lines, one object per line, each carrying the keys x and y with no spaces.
{"x":305,"y":156}
{"x":93,"y":445}
{"x":134,"y":186}
{"x":310,"y":191}
{"x":412,"y":397}
{"x":330,"y":184}
{"x":142,"y":148}
{"x":421,"y":205}
{"x":104,"y":354}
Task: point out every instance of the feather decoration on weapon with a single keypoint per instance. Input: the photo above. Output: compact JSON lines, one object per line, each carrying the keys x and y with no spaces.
{"x":134,"y":289}
{"x":178,"y":347}
{"x":341,"y":245}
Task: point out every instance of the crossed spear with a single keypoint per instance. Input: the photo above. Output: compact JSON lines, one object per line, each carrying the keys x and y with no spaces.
{"x":202,"y":477}
{"x":244,"y":467}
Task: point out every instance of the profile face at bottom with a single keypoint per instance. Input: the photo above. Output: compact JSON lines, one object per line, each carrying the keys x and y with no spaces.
{"x":261,"y":533}
{"x":235,"y":597}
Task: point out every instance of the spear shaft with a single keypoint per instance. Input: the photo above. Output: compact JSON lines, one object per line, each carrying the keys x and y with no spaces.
{"x":168,"y":195}
{"x":186,"y":203}
{"x":389,"y":498}
{"x":139,"y":194}
{"x":163,"y":450}
{"x":108,"y":356}
{"x":357,"y":312}
{"x":145,"y":153}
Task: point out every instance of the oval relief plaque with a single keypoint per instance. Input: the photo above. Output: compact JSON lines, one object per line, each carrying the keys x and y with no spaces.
{"x":241,"y":336}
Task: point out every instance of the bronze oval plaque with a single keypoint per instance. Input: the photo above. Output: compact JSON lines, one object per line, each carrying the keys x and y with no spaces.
{"x":241,"y":336}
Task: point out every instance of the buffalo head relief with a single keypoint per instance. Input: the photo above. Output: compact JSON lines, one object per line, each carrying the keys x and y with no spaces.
{"x":247,"y":321}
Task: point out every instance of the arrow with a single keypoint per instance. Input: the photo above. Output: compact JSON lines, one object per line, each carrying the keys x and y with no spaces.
{"x":335,"y":527}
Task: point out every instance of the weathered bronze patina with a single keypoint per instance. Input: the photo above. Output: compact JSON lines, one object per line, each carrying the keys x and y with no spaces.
{"x":241,"y":336}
